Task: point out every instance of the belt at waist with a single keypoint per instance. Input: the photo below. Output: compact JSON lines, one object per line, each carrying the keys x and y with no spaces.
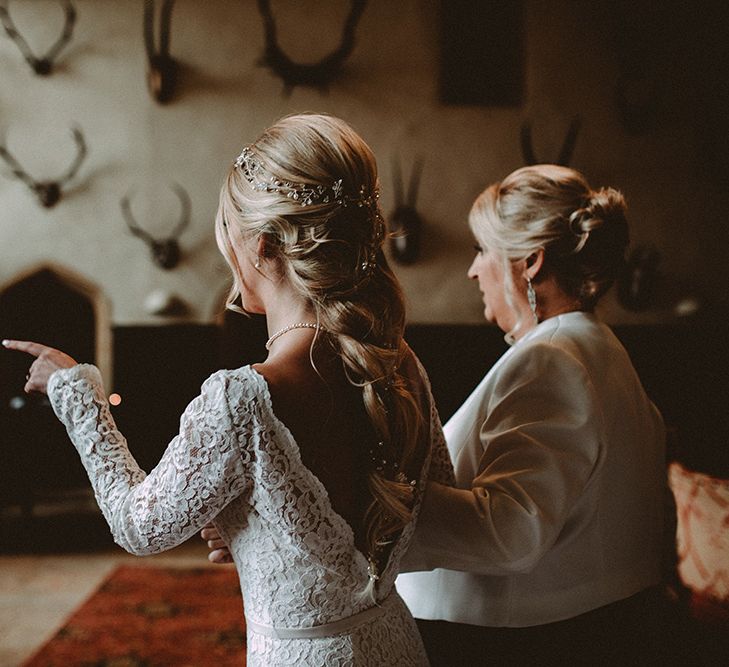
{"x":327,"y":629}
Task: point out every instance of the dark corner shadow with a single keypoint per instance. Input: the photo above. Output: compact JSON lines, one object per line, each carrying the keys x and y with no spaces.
{"x":80,"y":532}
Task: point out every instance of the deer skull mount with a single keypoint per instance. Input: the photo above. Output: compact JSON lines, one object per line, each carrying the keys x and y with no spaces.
{"x":319,"y":74}
{"x":48,"y":192}
{"x":166,"y":251}
{"x":41,"y":66}
{"x":565,"y":154}
{"x":162,"y":73}
{"x":405,"y":222}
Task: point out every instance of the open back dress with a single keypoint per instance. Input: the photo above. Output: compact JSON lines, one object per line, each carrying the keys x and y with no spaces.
{"x":309,"y":594}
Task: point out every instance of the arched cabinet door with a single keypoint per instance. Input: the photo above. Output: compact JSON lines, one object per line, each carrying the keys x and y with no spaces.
{"x":57,"y":307}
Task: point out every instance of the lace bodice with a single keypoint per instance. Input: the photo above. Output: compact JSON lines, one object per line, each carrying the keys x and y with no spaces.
{"x":235,"y":463}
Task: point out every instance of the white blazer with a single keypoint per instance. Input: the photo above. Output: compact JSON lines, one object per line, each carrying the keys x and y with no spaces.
{"x":560,"y":480}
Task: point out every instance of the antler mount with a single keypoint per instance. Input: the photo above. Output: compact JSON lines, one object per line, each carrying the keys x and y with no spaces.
{"x":162,"y":77}
{"x":166,"y":252}
{"x":162,"y":72}
{"x":42,"y":66}
{"x":319,"y":74}
{"x":406,"y":223}
{"x":48,"y":192}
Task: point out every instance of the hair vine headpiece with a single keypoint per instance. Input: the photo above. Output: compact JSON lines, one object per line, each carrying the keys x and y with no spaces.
{"x":304,"y":194}
{"x":369,"y":263}
{"x":365,"y":268}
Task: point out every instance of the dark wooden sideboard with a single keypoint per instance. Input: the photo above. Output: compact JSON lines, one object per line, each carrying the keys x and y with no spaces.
{"x":158,"y":370}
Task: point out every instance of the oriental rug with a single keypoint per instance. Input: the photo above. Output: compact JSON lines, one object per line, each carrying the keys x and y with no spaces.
{"x":153,"y":617}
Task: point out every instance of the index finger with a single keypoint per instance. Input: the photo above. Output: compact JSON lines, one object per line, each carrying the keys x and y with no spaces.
{"x":36,"y":349}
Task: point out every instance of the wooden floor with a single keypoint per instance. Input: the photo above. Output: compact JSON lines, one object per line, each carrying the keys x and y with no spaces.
{"x":38,"y":591}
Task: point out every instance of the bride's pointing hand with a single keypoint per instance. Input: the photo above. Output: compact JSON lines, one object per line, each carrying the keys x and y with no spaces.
{"x":47,"y":361}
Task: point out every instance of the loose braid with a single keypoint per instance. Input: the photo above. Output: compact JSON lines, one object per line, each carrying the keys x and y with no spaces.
{"x":331,"y":254}
{"x":368,"y":338}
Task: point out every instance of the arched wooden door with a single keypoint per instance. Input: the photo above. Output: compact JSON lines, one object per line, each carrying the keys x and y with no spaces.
{"x":58,"y":308}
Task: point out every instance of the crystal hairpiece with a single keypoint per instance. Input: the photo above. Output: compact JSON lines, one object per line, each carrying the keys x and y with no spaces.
{"x":304,"y":194}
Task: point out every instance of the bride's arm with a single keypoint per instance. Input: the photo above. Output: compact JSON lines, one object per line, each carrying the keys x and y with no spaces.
{"x":202,"y":470}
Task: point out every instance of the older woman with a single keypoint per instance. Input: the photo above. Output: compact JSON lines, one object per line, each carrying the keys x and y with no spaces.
{"x":557,"y":512}
{"x":317,"y":544}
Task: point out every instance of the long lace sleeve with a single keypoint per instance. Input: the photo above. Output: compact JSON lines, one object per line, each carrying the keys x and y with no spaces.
{"x":440,"y":471}
{"x":202,"y":470}
{"x":441,"y":468}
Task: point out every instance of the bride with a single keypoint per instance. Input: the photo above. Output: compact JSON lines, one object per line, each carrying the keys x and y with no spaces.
{"x":310,"y":464}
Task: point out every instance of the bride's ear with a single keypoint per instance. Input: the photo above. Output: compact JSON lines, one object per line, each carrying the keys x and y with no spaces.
{"x":534,"y":264}
{"x":267,"y":258}
{"x":264,"y":247}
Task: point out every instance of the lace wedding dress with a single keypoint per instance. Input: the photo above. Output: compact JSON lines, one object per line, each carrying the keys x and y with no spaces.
{"x":308,"y":595}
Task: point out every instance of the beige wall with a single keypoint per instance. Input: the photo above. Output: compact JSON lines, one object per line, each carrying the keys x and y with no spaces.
{"x":388,"y":92}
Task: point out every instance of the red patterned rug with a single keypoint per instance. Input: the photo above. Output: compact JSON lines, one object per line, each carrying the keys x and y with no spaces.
{"x":149,"y":617}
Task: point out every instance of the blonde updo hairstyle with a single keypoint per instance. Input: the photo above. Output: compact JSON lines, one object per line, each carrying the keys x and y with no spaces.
{"x":331,"y":254}
{"x":583,"y":232}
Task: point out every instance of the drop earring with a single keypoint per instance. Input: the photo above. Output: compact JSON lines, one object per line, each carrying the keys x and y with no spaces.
{"x":532,"y":298}
{"x":258,"y":263}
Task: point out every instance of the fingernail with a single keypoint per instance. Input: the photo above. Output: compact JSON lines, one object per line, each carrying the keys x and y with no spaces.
{"x":6,"y":343}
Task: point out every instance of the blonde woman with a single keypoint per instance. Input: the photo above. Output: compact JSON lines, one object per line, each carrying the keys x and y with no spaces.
{"x":547,"y":550}
{"x":310,"y":464}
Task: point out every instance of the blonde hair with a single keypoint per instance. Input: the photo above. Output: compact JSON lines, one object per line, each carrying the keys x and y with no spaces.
{"x":583,"y":232}
{"x":331,"y":255}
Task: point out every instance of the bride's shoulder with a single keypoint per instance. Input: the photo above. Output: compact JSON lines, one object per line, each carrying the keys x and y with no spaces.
{"x":234,"y":384}
{"x":288,"y":379}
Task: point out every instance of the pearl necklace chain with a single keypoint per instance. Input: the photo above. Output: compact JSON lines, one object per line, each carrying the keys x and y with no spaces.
{"x":291,"y":327}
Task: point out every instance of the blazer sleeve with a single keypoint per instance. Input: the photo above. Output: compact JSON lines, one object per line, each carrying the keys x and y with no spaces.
{"x":539,"y":442}
{"x":202,"y":470}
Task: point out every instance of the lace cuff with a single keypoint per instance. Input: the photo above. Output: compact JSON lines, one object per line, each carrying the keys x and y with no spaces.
{"x":71,"y":390}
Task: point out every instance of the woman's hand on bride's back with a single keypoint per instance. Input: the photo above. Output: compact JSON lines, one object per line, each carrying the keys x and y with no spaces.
{"x":219,"y":552}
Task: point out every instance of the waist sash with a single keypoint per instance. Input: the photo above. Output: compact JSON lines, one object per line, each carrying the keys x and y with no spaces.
{"x":327,"y":629}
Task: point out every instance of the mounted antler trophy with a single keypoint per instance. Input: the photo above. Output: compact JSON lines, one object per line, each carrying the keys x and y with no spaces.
{"x":405,"y":222}
{"x":48,"y":192}
{"x":44,"y":65}
{"x":318,"y":74}
{"x":165,"y":252}
{"x":162,"y":74}
{"x":568,"y":145}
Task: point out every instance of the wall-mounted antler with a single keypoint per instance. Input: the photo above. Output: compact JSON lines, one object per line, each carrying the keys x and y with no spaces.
{"x":44,"y":65}
{"x":166,"y":251}
{"x":318,"y":74}
{"x":568,"y":145}
{"x":405,"y":222}
{"x":162,"y":73}
{"x":48,"y":192}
